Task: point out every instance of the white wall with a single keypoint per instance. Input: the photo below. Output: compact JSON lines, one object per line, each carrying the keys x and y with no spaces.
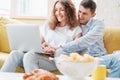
{"x":109,"y":11}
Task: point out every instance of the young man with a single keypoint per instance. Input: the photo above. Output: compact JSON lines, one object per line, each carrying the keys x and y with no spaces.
{"x":92,"y":39}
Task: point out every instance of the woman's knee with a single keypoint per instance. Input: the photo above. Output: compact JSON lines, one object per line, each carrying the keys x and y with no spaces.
{"x":29,"y":57}
{"x":15,"y":53}
{"x":26,"y":57}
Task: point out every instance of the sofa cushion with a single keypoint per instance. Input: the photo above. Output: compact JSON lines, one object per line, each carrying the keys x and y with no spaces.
{"x":4,"y":47}
{"x":4,"y":43}
{"x":112,"y":39}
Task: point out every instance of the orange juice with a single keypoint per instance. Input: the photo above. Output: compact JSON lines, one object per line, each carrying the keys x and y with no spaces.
{"x":99,"y":73}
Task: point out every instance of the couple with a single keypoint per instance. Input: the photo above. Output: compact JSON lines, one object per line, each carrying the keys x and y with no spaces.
{"x":64,"y":37}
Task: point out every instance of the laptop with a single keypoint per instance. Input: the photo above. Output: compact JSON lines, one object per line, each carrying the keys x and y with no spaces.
{"x":24,"y":37}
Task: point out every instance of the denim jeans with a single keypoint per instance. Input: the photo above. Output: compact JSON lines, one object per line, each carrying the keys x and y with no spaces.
{"x":29,"y":61}
{"x":13,"y":61}
{"x":112,"y":62}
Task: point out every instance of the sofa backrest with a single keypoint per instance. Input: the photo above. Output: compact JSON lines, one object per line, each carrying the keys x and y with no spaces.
{"x":4,"y":43}
{"x":112,"y":39}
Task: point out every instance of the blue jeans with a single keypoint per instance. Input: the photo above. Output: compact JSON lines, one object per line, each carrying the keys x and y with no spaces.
{"x":112,"y":61}
{"x":29,"y":61}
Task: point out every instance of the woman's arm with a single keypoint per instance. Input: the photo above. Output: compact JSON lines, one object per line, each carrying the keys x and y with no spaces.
{"x":42,"y":39}
{"x":44,"y":44}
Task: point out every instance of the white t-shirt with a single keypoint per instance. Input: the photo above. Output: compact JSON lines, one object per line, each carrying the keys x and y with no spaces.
{"x":60,"y":36}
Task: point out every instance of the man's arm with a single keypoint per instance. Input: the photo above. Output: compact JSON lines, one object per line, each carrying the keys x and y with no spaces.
{"x":87,"y":40}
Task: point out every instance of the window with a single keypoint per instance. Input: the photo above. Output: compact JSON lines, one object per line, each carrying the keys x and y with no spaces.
{"x":5,"y":8}
{"x":30,"y":9}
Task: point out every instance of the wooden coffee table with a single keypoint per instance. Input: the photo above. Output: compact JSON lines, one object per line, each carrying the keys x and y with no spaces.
{"x":19,"y":76}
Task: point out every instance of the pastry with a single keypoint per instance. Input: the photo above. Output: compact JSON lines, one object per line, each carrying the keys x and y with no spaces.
{"x":40,"y":74}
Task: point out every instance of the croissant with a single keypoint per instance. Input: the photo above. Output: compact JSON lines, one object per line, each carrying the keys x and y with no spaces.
{"x":40,"y":74}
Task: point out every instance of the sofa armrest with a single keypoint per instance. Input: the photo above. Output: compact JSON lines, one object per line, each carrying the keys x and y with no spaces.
{"x":112,"y":39}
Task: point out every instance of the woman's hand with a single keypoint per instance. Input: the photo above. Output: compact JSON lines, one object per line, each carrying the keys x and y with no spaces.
{"x":47,"y":48}
{"x":44,"y":44}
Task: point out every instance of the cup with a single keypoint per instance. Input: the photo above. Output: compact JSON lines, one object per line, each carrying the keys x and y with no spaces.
{"x":99,"y":73}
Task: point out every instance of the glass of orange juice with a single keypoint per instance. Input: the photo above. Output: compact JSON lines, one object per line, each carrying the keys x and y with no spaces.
{"x":99,"y":73}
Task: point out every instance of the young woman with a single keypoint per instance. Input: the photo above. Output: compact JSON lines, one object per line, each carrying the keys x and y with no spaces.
{"x":60,"y":29}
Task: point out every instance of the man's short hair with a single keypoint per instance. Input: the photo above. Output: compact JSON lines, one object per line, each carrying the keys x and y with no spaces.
{"x":89,"y":4}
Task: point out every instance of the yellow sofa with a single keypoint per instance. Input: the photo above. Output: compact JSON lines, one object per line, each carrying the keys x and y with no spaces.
{"x":111,"y":40}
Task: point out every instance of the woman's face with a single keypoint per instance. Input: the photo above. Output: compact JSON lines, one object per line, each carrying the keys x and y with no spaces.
{"x":60,"y":12}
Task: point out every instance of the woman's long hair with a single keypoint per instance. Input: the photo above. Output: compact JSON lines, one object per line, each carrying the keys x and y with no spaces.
{"x":71,"y":19}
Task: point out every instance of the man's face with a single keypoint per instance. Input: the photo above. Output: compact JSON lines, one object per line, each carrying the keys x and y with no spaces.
{"x":84,"y":15}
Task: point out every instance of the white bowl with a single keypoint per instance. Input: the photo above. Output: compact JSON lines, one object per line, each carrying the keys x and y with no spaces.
{"x":75,"y":70}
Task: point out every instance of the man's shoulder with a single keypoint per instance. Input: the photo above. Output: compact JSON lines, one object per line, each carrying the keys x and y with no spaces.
{"x":97,"y":21}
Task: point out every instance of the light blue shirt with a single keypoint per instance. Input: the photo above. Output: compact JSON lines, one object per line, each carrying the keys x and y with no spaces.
{"x":92,"y":39}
